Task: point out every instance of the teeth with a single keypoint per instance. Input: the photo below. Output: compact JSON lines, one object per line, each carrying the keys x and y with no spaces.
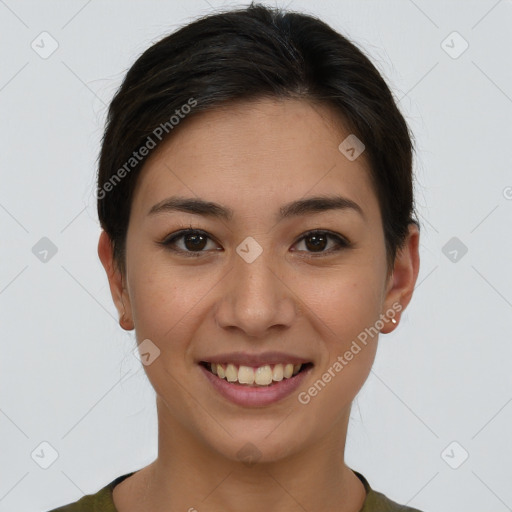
{"x":231,"y":373}
{"x":277,"y":374}
{"x":261,"y":376}
{"x":246,"y":375}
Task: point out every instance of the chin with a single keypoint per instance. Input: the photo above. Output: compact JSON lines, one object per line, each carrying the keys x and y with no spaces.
{"x":259,"y":446}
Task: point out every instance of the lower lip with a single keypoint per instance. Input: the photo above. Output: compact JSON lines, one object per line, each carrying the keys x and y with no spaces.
{"x":256,"y":396}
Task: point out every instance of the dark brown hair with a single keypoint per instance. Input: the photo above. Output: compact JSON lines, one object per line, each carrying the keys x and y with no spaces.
{"x":247,"y":54}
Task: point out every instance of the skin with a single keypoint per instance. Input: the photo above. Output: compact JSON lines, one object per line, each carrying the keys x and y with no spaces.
{"x":253,"y":158}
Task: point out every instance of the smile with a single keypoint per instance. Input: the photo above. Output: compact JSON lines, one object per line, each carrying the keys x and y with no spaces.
{"x":265,"y":375}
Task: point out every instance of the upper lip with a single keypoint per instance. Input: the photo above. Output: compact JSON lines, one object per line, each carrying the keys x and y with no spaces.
{"x":245,"y":359}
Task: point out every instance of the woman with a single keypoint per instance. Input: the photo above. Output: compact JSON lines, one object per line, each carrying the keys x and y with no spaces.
{"x":255,"y":194}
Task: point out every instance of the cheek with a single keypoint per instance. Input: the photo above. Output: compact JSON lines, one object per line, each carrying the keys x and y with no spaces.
{"x":165,"y":311}
{"x":345,"y":308}
{"x":161,"y":299}
{"x":344,"y":301}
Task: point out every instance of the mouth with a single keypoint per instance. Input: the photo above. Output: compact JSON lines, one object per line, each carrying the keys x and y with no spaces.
{"x":263,"y":376}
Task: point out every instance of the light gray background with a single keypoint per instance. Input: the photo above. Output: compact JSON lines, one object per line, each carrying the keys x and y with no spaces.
{"x":68,"y":375}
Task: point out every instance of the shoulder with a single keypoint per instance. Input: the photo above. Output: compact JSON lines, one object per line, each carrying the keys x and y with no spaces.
{"x":378,"y":502}
{"x":101,"y":501}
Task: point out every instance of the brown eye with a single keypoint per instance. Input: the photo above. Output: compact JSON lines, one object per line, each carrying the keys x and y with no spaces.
{"x":190,"y":242}
{"x":194,"y":242}
{"x":318,"y":241}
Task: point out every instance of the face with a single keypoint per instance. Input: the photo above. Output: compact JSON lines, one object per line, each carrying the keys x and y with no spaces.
{"x":265,"y":274}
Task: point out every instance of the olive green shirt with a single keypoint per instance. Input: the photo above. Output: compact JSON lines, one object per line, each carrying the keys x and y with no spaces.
{"x":102,"y":501}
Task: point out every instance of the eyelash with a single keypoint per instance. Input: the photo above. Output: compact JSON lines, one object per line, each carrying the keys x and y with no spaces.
{"x":341,"y":242}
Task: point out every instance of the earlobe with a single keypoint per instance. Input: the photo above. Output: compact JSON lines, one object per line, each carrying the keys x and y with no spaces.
{"x":116,"y":281}
{"x":403,"y":279}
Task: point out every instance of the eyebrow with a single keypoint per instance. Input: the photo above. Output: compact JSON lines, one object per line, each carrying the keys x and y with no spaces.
{"x":308,"y":206}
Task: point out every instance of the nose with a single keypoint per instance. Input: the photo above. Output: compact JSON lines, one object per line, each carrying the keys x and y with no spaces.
{"x":255,"y":300}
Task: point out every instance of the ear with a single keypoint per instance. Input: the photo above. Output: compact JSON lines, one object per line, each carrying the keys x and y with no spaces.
{"x":116,"y":281}
{"x":402,"y":280}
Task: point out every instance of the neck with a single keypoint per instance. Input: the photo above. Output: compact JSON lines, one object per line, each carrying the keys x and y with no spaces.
{"x":188,"y":476}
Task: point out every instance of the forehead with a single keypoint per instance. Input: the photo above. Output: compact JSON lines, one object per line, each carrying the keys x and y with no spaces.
{"x":254,"y":154}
